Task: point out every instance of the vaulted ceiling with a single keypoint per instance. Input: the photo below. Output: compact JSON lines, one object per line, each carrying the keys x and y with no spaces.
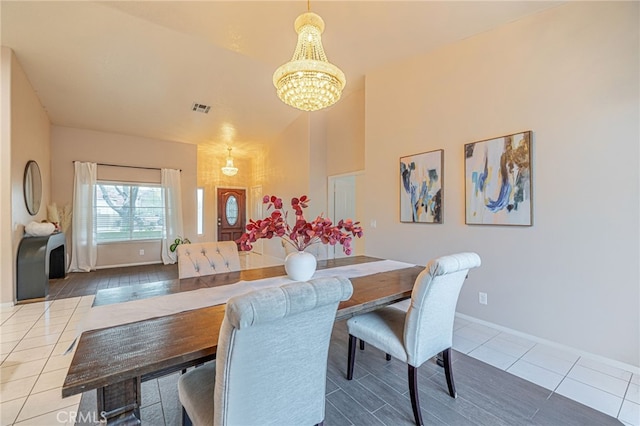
{"x":137,"y":67}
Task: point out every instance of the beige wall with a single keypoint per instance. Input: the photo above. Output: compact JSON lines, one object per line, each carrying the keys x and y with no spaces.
{"x":318,"y":154}
{"x":285,"y":170}
{"x":211,"y":158}
{"x":69,"y":144}
{"x":7,"y":293}
{"x":570,"y":75}
{"x":29,"y":140}
{"x":345,"y":135}
{"x":30,"y":135}
{"x":298,"y":162}
{"x":345,"y":143}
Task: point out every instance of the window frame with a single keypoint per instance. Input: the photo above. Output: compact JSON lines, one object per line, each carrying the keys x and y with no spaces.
{"x":200,"y":210}
{"x":129,"y":240}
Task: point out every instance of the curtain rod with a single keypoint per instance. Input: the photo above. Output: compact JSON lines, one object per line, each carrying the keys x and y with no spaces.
{"x":128,"y":167}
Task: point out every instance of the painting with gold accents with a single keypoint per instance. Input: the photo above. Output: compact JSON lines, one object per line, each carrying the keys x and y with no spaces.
{"x":421,"y":186}
{"x":498,"y":181}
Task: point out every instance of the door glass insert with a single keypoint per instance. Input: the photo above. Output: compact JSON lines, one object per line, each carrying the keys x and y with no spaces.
{"x":231,"y":210}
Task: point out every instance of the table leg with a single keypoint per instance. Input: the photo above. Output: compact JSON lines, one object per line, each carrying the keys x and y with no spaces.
{"x":119,"y":404}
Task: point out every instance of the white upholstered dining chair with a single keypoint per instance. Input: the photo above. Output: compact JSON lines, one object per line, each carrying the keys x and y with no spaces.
{"x":424,"y":330}
{"x":198,"y":259}
{"x":271,"y":361}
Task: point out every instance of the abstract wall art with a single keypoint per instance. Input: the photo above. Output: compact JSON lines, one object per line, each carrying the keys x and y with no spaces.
{"x":498,"y":181}
{"x":421,"y":186}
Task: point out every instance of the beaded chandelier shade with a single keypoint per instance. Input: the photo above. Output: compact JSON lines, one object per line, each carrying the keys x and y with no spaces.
{"x":229,"y":169}
{"x":309,"y":81}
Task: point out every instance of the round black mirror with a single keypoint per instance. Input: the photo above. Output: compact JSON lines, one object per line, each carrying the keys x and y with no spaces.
{"x":32,"y":187}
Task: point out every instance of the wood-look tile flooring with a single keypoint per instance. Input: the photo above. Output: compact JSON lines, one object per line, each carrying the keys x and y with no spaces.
{"x":378,"y":395}
{"x":78,"y":284}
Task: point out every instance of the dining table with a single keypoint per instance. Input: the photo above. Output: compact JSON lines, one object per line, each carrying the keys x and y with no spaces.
{"x":116,"y":359}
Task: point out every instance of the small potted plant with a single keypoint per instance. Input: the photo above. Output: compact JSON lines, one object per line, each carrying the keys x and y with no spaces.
{"x":177,"y":242}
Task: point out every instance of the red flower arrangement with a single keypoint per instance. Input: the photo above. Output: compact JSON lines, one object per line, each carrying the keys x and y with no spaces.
{"x":303,"y":234}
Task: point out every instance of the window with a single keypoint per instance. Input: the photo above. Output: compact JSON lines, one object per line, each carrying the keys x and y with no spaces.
{"x":231,"y":210}
{"x":200,"y":207}
{"x":128,"y":211}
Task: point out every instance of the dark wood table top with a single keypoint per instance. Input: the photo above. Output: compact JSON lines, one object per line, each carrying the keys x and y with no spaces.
{"x":161,"y":345}
{"x":160,"y":288}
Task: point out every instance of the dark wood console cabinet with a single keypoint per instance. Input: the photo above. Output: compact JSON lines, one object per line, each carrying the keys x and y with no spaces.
{"x":39,"y":259}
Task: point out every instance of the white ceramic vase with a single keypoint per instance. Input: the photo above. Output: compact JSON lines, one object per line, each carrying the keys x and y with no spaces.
{"x":300,"y":265}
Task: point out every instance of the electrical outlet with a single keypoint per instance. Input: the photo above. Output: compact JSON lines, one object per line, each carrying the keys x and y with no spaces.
{"x":482,"y":298}
{"x":373,"y":223}
{"x":141,"y":252}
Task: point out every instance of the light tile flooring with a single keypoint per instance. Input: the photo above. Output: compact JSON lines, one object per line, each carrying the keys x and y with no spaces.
{"x":34,"y":337}
{"x":605,"y":388}
{"x":33,"y":340}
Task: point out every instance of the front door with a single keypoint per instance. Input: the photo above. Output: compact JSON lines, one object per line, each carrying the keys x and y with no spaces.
{"x":231,"y":213}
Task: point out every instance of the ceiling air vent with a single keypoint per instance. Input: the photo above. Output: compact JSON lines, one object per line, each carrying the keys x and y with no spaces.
{"x":200,"y":108}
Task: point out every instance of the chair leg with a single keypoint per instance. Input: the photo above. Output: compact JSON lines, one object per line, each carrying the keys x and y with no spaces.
{"x":186,"y":421}
{"x":413,"y":393}
{"x":448,"y":372}
{"x":352,"y":356}
{"x":361,"y":345}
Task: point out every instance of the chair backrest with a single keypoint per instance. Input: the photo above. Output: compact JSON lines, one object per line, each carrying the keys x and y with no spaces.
{"x":428,"y":326}
{"x":271,"y":360}
{"x":198,"y":259}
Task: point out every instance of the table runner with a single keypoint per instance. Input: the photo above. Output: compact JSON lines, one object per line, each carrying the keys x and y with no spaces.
{"x":137,"y":310}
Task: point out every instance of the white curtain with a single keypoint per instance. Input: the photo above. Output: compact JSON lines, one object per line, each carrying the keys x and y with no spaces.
{"x":83,"y":234}
{"x":172,"y":197}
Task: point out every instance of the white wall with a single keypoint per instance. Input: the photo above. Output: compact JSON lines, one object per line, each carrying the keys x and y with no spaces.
{"x":569,"y":74}
{"x":70,"y":144}
{"x":7,"y":293}
{"x":27,"y":135}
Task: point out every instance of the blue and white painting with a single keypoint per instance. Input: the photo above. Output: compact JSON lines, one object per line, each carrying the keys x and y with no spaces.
{"x":421,"y":187}
{"x":498,"y":180}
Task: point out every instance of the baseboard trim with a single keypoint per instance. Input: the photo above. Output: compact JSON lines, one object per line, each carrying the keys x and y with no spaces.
{"x":608,"y":361}
{"x":124,"y":265}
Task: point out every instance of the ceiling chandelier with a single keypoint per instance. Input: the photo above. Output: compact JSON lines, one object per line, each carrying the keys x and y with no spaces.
{"x":229,"y":169}
{"x":309,"y":81}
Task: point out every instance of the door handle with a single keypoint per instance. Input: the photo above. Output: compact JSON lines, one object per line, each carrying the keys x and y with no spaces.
{"x":219,"y":222}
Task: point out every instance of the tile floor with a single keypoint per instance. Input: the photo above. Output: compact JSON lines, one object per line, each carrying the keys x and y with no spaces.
{"x":34,"y":337}
{"x":33,"y":340}
{"x":605,"y":388}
